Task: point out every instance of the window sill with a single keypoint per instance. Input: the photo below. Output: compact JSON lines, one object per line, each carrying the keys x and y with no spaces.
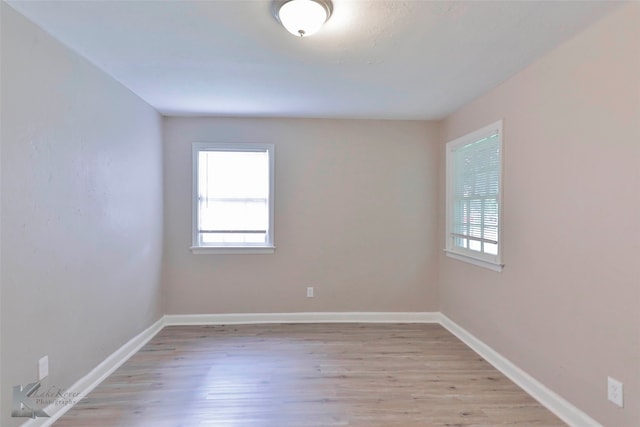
{"x":475,"y":261}
{"x":203,"y":250}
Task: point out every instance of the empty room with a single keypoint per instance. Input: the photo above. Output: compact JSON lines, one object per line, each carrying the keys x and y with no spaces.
{"x":320,"y":213}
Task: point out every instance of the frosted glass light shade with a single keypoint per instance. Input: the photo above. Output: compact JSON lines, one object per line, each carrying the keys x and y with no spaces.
{"x":304,"y":17}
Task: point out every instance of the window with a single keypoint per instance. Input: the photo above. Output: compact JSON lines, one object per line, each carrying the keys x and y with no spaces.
{"x":233,"y":198}
{"x":474,"y":181}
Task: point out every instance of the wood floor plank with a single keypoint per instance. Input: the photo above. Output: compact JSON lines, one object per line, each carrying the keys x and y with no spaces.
{"x":307,"y":375}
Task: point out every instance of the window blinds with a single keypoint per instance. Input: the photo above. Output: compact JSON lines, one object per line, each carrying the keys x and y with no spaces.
{"x":476,"y":187}
{"x":233,"y":193}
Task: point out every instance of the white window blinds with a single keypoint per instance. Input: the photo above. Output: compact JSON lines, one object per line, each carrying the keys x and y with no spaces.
{"x":474,"y":180}
{"x":233,"y":200}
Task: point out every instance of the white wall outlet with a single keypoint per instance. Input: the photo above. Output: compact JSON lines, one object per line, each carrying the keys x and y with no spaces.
{"x":43,"y":368}
{"x":310,"y":292}
{"x":615,"y":391}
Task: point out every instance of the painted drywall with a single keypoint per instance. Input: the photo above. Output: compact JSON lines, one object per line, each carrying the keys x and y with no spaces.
{"x":81,"y":212}
{"x":565,"y":308}
{"x":355,"y":217}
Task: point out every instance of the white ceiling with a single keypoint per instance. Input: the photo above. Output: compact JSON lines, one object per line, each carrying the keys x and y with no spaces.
{"x":393,"y":59}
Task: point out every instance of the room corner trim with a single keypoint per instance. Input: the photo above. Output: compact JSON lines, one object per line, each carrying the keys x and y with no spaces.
{"x":317,"y":317}
{"x":84,"y":385}
{"x":549,"y":399}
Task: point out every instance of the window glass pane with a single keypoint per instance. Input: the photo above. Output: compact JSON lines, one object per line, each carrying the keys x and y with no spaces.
{"x":233,"y":174}
{"x":475,"y":218}
{"x":461,"y":242}
{"x":491,"y":213}
{"x":475,"y":175}
{"x":240,"y":214}
{"x":491,"y":233}
{"x":233,"y":196}
{"x":213,"y":238}
{"x":461,"y":217}
{"x":491,"y":248}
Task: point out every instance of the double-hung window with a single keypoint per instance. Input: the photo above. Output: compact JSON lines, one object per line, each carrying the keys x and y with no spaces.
{"x":233,"y":198}
{"x":474,"y":197}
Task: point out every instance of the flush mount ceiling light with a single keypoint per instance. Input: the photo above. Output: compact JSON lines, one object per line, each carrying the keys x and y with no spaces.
{"x":302,"y":17}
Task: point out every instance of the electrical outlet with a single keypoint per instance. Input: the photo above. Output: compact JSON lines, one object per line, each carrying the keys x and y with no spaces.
{"x":310,"y":292}
{"x":43,"y":368}
{"x":615,"y":391}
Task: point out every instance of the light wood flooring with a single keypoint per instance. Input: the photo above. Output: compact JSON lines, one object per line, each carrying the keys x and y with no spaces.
{"x":307,"y":375}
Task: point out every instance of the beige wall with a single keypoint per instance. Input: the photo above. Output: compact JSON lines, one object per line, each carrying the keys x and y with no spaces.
{"x":355,"y":218}
{"x":81,"y":211}
{"x":359,"y":216}
{"x":566,"y":307}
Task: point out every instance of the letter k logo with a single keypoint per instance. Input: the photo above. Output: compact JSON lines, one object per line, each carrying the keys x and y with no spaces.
{"x":23,"y":406}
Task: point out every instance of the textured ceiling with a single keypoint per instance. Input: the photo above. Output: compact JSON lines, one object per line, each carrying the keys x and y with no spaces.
{"x":373,"y":58}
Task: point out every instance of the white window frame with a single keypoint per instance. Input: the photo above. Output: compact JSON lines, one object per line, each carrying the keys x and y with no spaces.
{"x":232,"y":248}
{"x":492,"y":262}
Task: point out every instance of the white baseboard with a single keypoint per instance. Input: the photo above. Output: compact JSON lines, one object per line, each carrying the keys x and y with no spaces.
{"x":552,"y":401}
{"x":549,"y":399}
{"x":84,"y":385}
{"x":320,"y":317}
